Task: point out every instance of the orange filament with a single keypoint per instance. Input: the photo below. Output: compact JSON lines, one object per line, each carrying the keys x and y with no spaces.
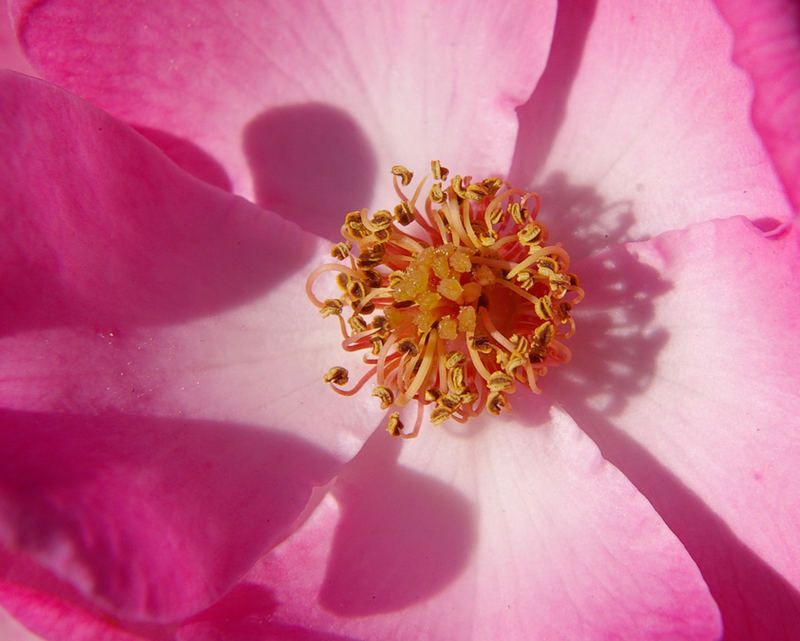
{"x":453,"y":302}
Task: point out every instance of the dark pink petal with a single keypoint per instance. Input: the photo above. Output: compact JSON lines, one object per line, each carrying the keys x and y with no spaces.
{"x":163,"y":416}
{"x":641,"y":124}
{"x":506,"y":531}
{"x":322,"y":95}
{"x":767,"y":46}
{"x":685,"y":373}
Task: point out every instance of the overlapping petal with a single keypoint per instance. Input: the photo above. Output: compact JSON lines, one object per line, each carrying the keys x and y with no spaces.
{"x":554,"y":543}
{"x":11,"y":56}
{"x":641,"y":105}
{"x":681,"y":375}
{"x":292,"y":95}
{"x":767,"y":46}
{"x":154,"y":327}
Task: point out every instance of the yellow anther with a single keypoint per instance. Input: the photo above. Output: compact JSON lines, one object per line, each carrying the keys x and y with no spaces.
{"x":487,"y":237}
{"x":331,"y":306}
{"x":340,"y":251}
{"x":394,"y":425}
{"x":525,"y":279}
{"x":381,"y":219}
{"x":451,"y":401}
{"x":404,"y":174}
{"x":476,"y":192}
{"x":518,"y":213}
{"x":357,"y":324}
{"x":544,"y":308}
{"x":482,"y":344}
{"x":496,"y":215}
{"x":440,"y":414}
{"x":404,"y":213}
{"x":547,"y":264}
{"x":531,"y":234}
{"x":439,"y":172}
{"x":336,"y":376}
{"x":544,"y":334}
{"x":371,"y":257}
{"x":384,"y":394}
{"x":437,"y":195}
{"x":495,"y":403}
{"x":377,"y":344}
{"x":455,"y":379}
{"x":357,"y":289}
{"x":454,"y":358}
{"x":432,"y":394}
{"x":408,"y":346}
{"x":457,"y":187}
{"x":499,"y":381}
{"x":491,"y":185}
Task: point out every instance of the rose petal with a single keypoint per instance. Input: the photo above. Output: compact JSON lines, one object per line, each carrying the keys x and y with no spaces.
{"x":157,"y":372}
{"x":640,"y":124}
{"x":505,"y":532}
{"x":322,"y":94}
{"x":684,"y":373}
{"x":11,"y":56}
{"x":767,"y":46}
{"x":11,"y":630}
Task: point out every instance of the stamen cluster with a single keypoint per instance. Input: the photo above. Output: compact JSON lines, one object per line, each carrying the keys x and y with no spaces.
{"x":455,"y":302}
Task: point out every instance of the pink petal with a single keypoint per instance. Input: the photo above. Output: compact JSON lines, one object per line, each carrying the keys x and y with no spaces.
{"x":11,"y":56}
{"x":503,"y":532}
{"x":161,"y":392}
{"x":294,"y":94}
{"x":11,"y":630}
{"x":640,"y":124}
{"x":767,"y":46}
{"x":684,"y":371}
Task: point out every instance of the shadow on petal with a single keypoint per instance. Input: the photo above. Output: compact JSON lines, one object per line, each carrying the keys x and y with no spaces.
{"x":311,"y":163}
{"x":402,"y":536}
{"x":615,"y":352}
{"x":246,"y":614}
{"x":540,"y":118}
{"x":149,"y":517}
{"x":188,"y":157}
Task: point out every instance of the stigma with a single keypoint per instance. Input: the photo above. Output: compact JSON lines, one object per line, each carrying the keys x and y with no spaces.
{"x":456,"y":297}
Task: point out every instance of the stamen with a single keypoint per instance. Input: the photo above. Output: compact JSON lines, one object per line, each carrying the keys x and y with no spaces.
{"x":452,"y":303}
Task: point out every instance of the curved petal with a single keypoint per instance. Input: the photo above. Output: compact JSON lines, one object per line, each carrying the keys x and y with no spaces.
{"x":558,"y":545}
{"x":157,"y":376}
{"x":641,"y":103}
{"x":698,"y":404}
{"x":11,"y":630}
{"x":11,"y":56}
{"x":767,"y":46}
{"x":246,"y":81}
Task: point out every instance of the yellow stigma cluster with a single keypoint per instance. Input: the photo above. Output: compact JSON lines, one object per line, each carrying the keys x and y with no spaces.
{"x":455,"y":301}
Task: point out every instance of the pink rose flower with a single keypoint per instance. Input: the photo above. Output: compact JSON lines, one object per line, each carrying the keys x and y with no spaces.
{"x":174,"y":467}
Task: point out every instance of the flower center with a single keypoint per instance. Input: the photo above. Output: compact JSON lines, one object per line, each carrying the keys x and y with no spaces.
{"x":454,"y":307}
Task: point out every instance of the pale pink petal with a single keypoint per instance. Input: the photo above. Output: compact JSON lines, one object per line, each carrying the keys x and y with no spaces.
{"x":504,"y":531}
{"x":297,"y":97}
{"x":161,"y":392}
{"x":11,"y":630}
{"x":641,"y":124}
{"x":767,"y":46}
{"x":684,"y":371}
{"x":11,"y":56}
